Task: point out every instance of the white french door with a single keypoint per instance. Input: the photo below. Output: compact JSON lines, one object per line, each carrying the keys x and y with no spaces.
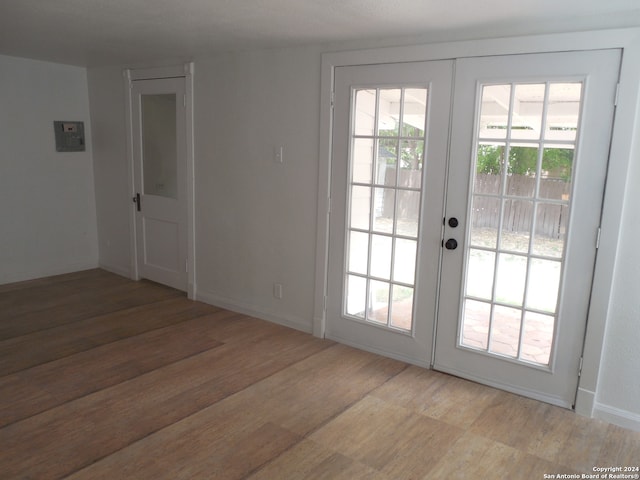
{"x":159,"y":160}
{"x":529,"y":150}
{"x":503,"y":256}
{"x":389,"y":162}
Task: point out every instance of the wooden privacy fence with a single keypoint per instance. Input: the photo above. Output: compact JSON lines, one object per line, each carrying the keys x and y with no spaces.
{"x":551,"y":218}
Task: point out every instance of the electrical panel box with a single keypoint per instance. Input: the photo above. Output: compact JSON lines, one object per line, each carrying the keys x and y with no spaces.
{"x":69,"y":136}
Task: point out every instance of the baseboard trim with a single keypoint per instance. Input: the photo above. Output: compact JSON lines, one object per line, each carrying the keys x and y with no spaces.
{"x":245,"y":308}
{"x":47,"y":271}
{"x":118,"y":270}
{"x":617,"y":416}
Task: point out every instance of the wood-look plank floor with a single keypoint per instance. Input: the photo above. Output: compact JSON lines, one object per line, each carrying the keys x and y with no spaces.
{"x":104,"y":378}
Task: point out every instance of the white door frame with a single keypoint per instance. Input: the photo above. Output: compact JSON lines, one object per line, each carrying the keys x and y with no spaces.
{"x":185,"y":71}
{"x":627,"y":116}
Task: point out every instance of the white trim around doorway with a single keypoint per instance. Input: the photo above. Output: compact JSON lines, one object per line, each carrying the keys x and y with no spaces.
{"x":186,"y":70}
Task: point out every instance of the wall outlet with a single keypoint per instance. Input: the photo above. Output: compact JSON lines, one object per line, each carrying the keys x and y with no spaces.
{"x":277,"y":290}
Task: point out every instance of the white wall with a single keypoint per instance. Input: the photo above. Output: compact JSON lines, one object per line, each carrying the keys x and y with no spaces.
{"x":113,"y":198}
{"x":256,"y":219}
{"x":618,"y":395}
{"x":47,"y":205}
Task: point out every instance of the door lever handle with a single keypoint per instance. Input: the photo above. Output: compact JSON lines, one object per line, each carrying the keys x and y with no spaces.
{"x":136,"y":200}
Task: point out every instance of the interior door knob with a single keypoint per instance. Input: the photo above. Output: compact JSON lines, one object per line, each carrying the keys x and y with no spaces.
{"x":453,"y":222}
{"x":451,"y":244}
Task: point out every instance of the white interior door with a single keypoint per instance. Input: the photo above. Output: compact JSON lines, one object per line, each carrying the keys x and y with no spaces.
{"x":387,"y":188}
{"x":159,"y":144}
{"x":529,"y":152}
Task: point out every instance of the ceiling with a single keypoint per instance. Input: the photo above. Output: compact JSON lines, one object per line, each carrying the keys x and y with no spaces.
{"x":108,"y":32}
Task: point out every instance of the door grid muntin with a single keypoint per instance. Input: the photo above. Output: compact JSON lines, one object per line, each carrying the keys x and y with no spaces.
{"x":504,"y":201}
{"x":381,"y":251}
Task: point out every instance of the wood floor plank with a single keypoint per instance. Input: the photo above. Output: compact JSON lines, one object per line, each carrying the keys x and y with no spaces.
{"x":108,"y":378}
{"x":443,"y":397}
{"x":555,"y":434}
{"x":621,"y":447}
{"x":53,"y":343}
{"x":388,"y":438}
{"x":312,"y":461}
{"x":102,"y":423}
{"x":40,"y":294}
{"x":295,"y":399}
{"x":82,"y":305}
{"x":474,"y":456}
{"x":78,"y":375}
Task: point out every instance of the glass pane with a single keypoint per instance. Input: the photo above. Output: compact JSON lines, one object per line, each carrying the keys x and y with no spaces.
{"x":411,"y":155}
{"x":563,"y":111}
{"x":407,"y":213}
{"x":358,"y":252}
{"x":537,"y":338}
{"x":489,"y":164}
{"x":360,"y":206}
{"x":389,"y":112}
{"x":378,"y":302}
{"x":526,"y":121}
{"x":494,"y":113}
{"x":365,"y":112}
{"x":511,"y":275}
{"x":402,"y":307}
{"x":415,"y":106}
{"x":485,"y":218}
{"x":356,"y":295}
{"x":362,"y":160}
{"x":544,"y":282}
{"x":505,"y":331}
{"x":404,"y":261}
{"x":516,"y":225}
{"x":381,"y":256}
{"x":551,"y":227}
{"x":521,"y":180}
{"x":385,"y":199}
{"x":386,"y":162}
{"x":480,"y":274}
{"x":557,"y":168}
{"x":522,"y":161}
{"x":159,"y":150}
{"x":475,"y":326}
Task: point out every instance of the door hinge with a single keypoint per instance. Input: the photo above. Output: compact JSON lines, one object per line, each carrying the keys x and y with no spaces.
{"x":598,"y":233}
{"x":333,"y":98}
{"x":329,"y":205}
{"x":324,"y":303}
{"x":184,"y":100}
{"x":615,"y":100}
{"x":186,"y":265}
{"x":580,"y":366}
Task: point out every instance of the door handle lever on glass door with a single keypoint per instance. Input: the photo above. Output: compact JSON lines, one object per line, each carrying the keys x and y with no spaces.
{"x":136,"y":200}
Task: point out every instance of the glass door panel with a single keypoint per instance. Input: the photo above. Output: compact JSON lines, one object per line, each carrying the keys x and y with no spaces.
{"x":384,"y":204}
{"x":159,"y":147}
{"x":513,"y":223}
